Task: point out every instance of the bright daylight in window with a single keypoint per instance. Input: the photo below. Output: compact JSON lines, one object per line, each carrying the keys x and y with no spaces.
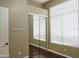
{"x":64,"y":23}
{"x":39,"y":27}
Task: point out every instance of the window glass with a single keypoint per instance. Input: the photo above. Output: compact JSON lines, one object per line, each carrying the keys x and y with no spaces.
{"x":69,"y":6}
{"x":56,"y":29}
{"x":36,"y":27}
{"x":70,"y":29}
{"x":64,"y":23}
{"x":39,"y":27}
{"x":42,"y":28}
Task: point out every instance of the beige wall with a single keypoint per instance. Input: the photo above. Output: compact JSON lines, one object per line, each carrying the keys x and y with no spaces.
{"x":19,"y":41}
{"x":33,"y":3}
{"x":52,"y":3}
{"x":37,"y":10}
{"x":17,"y":18}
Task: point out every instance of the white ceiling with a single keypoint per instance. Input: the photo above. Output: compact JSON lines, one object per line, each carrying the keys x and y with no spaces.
{"x":41,"y":1}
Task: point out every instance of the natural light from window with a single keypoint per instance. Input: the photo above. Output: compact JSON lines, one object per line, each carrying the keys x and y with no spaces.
{"x":64,"y":23}
{"x":39,"y":27}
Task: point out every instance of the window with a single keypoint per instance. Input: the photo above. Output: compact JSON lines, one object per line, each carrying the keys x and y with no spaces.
{"x":42,"y":28}
{"x":56,"y":29}
{"x":36,"y":27}
{"x":64,"y":23}
{"x":39,"y":27}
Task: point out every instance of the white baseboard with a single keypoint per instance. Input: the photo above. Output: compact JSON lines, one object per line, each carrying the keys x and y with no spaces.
{"x":26,"y":57}
{"x":4,"y":56}
{"x":7,"y":56}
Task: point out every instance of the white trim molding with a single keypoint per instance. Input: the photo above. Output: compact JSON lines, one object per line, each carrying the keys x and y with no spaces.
{"x":26,"y":57}
{"x":4,"y":56}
